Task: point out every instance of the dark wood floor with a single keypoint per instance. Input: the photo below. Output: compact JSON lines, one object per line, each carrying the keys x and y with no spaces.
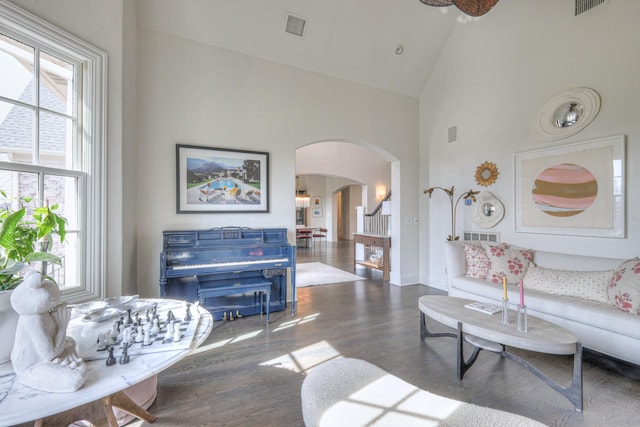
{"x":247,"y":374}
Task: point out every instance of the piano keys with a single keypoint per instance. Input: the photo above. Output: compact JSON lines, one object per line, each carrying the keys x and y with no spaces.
{"x":231,"y":270}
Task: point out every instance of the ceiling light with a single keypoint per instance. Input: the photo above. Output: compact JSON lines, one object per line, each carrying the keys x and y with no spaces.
{"x":470,"y":7}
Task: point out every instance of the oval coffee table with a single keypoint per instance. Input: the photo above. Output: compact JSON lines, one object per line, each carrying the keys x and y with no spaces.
{"x":486,"y":332}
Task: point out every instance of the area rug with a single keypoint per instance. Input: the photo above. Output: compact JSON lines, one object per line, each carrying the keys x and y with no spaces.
{"x":317,"y":273}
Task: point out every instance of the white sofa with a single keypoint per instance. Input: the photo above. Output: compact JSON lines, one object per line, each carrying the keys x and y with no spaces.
{"x":600,"y":326}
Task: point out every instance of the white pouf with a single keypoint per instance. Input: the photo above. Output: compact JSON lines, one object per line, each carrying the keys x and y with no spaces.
{"x":352,"y":392}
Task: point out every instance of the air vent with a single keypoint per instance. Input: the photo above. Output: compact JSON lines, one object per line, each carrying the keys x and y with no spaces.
{"x":584,"y":5}
{"x":480,"y":236}
{"x":295,"y":25}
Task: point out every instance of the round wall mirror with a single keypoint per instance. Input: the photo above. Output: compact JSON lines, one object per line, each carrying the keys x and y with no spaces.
{"x":486,"y":174}
{"x":487,"y":211}
{"x":567,"y":113}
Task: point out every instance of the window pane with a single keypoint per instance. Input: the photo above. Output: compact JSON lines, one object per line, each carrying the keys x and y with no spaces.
{"x":17,"y":185}
{"x":55,"y":140}
{"x":63,"y":192}
{"x":16,"y":133}
{"x":16,"y":70}
{"x":56,"y":84}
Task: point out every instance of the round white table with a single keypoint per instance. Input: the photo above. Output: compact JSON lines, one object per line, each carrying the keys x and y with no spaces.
{"x":19,"y":403}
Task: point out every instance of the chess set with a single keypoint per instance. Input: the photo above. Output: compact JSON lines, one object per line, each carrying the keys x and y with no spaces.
{"x":134,"y":328}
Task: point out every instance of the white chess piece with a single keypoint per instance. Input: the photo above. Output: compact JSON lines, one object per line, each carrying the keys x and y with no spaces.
{"x":176,"y":334}
{"x":102,"y":345}
{"x":155,"y":329}
{"x":169,"y":335}
{"x":139,"y":335}
{"x":114,"y":330}
{"x":147,"y":335}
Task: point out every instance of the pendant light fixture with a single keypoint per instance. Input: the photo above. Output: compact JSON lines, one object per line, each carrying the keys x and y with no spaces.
{"x":470,"y":7}
{"x":303,"y":200}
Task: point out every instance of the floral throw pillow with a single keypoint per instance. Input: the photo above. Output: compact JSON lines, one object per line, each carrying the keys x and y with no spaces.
{"x":624,"y":286}
{"x":477,"y":261}
{"x":504,"y":260}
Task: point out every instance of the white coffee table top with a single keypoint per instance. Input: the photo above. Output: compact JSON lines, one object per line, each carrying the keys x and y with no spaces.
{"x":541,"y":336}
{"x":19,"y":404}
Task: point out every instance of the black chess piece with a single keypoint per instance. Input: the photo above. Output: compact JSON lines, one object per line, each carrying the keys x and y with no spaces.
{"x":187,"y":316}
{"x":110,"y":359}
{"x":129,"y":319}
{"x":124,"y":357}
{"x":169,"y":316}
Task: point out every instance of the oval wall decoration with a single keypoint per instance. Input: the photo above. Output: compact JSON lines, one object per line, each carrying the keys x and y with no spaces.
{"x":564,"y":190}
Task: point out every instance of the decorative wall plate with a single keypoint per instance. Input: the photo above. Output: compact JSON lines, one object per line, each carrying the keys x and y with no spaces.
{"x":486,"y":174}
{"x":567,"y":113}
{"x":487,"y":211}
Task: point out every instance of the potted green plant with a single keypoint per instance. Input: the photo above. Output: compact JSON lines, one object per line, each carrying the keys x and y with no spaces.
{"x":24,"y":239}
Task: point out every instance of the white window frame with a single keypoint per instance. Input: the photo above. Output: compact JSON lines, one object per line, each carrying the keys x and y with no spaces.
{"x":92,"y":81}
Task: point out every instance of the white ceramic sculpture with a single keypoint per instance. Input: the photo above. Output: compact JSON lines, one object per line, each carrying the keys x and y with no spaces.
{"x":43,"y":356}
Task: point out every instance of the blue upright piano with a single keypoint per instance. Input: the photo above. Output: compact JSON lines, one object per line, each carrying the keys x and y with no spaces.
{"x":232,"y":271}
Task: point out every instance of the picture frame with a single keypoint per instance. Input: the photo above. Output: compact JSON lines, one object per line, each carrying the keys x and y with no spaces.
{"x":576,"y":189}
{"x":316,"y":212}
{"x":316,"y":201}
{"x":221,"y":180}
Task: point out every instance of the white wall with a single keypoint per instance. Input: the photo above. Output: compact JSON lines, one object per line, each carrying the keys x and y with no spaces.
{"x":201,"y":95}
{"x":493,"y":77}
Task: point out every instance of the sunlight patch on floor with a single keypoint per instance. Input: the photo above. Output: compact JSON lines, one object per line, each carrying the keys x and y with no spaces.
{"x":222,"y":343}
{"x":300,"y":361}
{"x":294,"y":322}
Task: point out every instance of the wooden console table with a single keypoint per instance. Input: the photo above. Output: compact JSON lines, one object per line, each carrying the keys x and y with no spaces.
{"x":374,"y":241}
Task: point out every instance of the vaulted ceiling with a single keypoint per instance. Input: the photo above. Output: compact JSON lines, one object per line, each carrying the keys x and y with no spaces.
{"x":354,"y":40}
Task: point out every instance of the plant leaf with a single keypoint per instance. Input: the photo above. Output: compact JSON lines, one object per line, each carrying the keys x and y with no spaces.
{"x":8,"y":230}
{"x":43,"y":256}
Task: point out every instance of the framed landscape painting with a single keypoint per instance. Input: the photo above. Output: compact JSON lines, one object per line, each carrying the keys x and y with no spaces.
{"x":221,"y":180}
{"x":576,"y":189}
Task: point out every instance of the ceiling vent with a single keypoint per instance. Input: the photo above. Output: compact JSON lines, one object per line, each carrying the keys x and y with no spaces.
{"x":584,"y":5}
{"x":295,"y":25}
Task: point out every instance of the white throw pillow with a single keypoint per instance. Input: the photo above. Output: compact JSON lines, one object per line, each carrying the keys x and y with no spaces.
{"x":591,"y":285}
{"x":624,"y":286}
{"x":477,"y":261}
{"x":504,"y":260}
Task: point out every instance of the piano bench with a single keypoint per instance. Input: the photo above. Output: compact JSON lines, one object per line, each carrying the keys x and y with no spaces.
{"x":263,"y":287}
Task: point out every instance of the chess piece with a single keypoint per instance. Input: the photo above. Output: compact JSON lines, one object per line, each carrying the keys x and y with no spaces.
{"x":110,"y":359}
{"x":155,"y":329}
{"x":124,"y":357}
{"x":231,"y":315}
{"x":120,"y":332}
{"x":170,"y":316}
{"x":146,"y":316}
{"x":238,"y":315}
{"x":114,"y":330}
{"x":139,"y":335}
{"x":176,"y":334}
{"x":129,"y":319}
{"x":147,"y":335}
{"x":224,"y":316}
{"x":187,"y":316}
{"x":168,"y":336}
{"x":101,"y":344}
